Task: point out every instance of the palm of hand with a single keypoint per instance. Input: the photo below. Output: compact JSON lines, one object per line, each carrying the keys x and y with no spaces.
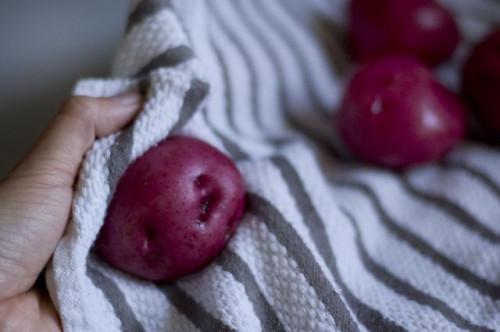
{"x":35,"y":204}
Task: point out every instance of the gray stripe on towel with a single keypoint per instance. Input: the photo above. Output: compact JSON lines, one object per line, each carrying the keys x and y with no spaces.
{"x":193,"y":98}
{"x":485,"y":179}
{"x":249,"y":65}
{"x":143,"y":10}
{"x":118,"y":301}
{"x":231,"y":147}
{"x":287,"y":106}
{"x":456,"y":212}
{"x":404,"y":288}
{"x":472,"y":280}
{"x":192,"y":310}
{"x":119,"y":158}
{"x":366,"y":314}
{"x":289,"y":238}
{"x":168,"y":59}
{"x":300,"y":57}
{"x":232,"y":263}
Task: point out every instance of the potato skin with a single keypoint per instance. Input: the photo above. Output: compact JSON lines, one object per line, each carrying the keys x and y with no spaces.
{"x":173,"y":211}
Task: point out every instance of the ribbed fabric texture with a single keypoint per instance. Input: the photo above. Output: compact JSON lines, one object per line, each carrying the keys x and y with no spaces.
{"x":326,"y":244}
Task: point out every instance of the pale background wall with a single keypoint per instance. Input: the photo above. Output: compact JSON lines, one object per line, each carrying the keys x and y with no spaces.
{"x":44,"y":47}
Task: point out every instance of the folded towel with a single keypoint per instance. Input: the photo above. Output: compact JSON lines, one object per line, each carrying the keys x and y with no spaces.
{"x":325,"y":244}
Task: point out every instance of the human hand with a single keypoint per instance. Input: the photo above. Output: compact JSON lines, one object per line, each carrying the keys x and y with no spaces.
{"x":35,"y":204}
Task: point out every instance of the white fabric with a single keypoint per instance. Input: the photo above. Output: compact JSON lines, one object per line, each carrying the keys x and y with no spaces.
{"x":326,"y":245}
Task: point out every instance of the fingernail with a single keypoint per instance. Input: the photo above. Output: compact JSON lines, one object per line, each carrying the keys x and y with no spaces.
{"x":130,"y":98}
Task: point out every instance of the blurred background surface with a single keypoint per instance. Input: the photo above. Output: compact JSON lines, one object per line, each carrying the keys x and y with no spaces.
{"x":45,"y":46}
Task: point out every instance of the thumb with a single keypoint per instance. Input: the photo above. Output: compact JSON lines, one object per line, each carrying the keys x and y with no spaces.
{"x":35,"y":199}
{"x":81,"y":120}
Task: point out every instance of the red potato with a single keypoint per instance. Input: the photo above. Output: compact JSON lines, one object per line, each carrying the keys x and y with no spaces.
{"x":396,"y":115}
{"x":173,"y":211}
{"x":420,"y":28}
{"x":481,"y":80}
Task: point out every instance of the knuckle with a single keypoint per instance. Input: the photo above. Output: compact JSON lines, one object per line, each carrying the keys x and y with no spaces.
{"x":80,"y":105}
{"x":80,"y":112}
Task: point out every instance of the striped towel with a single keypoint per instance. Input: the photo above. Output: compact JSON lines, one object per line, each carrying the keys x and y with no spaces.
{"x":326,"y":244}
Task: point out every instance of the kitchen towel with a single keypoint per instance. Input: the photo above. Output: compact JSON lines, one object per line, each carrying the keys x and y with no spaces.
{"x":326,"y":244}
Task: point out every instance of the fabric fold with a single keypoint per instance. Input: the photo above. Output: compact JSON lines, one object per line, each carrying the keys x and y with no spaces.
{"x":326,"y":244}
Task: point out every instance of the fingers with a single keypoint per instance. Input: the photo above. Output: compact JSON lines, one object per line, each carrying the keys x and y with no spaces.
{"x":61,"y":148}
{"x":35,"y":199}
{"x":103,"y":116}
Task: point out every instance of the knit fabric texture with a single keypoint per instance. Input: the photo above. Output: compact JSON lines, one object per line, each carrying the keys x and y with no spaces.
{"x":326,"y":244}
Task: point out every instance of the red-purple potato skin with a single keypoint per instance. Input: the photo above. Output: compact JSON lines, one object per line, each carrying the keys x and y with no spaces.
{"x":174,"y":210}
{"x":394,"y":114}
{"x":481,"y":80}
{"x":420,"y":28}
